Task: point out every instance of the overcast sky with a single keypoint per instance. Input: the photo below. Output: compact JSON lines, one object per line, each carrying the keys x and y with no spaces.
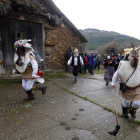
{"x":122,"y":16}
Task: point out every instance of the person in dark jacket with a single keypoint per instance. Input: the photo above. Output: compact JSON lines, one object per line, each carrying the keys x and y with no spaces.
{"x":69,"y":54}
{"x":91,"y":63}
{"x":116,"y":61}
{"x":82,"y":67}
{"x":104,"y":59}
{"x":109,"y":70}
{"x":97,"y":62}
{"x":111,"y":51}
{"x":122,"y":56}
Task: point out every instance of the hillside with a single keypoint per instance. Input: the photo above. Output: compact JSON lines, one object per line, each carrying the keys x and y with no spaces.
{"x":99,"y":38}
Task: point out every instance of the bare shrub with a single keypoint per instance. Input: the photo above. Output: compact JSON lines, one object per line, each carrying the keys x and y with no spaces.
{"x":118,"y":48}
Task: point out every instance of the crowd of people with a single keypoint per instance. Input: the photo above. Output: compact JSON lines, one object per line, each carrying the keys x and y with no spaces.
{"x":116,"y":66}
{"x":90,"y":62}
{"x":111,"y":63}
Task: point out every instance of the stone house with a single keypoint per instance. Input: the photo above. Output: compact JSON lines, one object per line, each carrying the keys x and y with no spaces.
{"x":50,"y":31}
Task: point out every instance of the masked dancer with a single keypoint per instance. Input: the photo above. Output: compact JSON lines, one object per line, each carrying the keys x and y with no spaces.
{"x":27,"y":66}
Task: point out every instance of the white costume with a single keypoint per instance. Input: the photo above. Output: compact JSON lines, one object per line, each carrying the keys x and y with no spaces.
{"x":26,"y":64}
{"x":129,"y":73}
{"x":135,"y":104}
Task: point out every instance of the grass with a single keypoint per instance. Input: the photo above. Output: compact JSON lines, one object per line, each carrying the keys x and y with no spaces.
{"x":9,"y":81}
{"x":105,"y":108}
{"x":101,"y":71}
{"x":134,"y":123}
{"x":54,"y":75}
{"x":92,"y":78}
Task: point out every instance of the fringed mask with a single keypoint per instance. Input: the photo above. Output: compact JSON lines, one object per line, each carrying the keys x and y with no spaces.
{"x":21,"y":53}
{"x":22,"y":47}
{"x":134,"y":57}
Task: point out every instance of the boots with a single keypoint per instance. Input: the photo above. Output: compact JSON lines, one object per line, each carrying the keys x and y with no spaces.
{"x":30,"y":95}
{"x":125,"y":112}
{"x":132,"y":111}
{"x":40,"y":87}
{"x":107,"y":83}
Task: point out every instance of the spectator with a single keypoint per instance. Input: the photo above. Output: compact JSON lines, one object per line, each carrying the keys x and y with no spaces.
{"x":112,"y":56}
{"x":97,"y":62}
{"x":109,"y":70}
{"x":86,"y":62}
{"x":111,"y":51}
{"x":91,"y":63}
{"x":119,"y":57}
{"x":69,"y":54}
{"x":82,"y":66}
{"x":116,"y":62}
{"x":104,"y":59}
{"x":122,"y":56}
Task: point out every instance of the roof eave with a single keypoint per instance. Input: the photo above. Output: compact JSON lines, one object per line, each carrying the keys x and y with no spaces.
{"x":55,"y":10}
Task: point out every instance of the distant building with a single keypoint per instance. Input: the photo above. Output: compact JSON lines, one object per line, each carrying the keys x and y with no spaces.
{"x":49,"y":29}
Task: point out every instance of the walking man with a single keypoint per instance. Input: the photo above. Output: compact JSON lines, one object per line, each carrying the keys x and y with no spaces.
{"x":76,"y":61}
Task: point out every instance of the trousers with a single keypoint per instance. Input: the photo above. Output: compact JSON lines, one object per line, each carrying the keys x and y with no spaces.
{"x":135,"y":104}
{"x":28,"y":84}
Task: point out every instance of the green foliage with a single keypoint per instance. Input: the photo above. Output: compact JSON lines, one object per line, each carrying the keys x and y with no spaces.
{"x":10,"y":81}
{"x":101,"y":71}
{"x":97,"y":38}
{"x":55,"y":75}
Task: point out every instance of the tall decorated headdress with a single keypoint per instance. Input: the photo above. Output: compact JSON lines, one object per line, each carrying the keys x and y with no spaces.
{"x":23,"y":43}
{"x":128,"y":50}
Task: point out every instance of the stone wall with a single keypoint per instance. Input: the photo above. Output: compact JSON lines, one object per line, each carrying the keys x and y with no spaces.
{"x":57,"y":42}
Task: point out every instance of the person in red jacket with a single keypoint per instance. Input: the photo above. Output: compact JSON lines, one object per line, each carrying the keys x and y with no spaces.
{"x":86,"y":63}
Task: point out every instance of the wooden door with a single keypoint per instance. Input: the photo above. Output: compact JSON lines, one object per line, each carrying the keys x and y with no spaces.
{"x":13,"y":30}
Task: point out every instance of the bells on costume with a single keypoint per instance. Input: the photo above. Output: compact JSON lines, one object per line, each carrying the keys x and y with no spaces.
{"x":130,"y":110}
{"x":40,"y":87}
{"x":37,"y":87}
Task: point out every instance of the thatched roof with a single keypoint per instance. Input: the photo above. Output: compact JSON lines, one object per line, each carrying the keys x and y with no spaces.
{"x":4,"y":6}
{"x":45,"y":8}
{"x":28,"y":6}
{"x":36,"y":5}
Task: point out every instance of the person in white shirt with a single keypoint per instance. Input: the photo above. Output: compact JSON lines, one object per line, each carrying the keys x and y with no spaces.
{"x":27,"y":66}
{"x":76,"y":61}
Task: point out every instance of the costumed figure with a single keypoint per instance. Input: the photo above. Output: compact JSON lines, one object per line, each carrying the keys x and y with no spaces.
{"x":109,"y":69}
{"x":27,"y":66}
{"x":76,"y":61}
{"x":129,"y":73}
